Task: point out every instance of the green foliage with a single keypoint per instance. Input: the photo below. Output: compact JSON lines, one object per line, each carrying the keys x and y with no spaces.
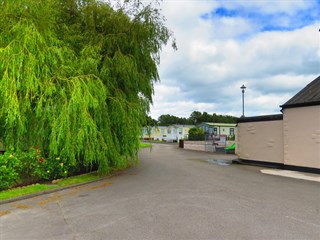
{"x":9,"y":170}
{"x":167,"y":119}
{"x":205,"y":117}
{"x":196,"y":117}
{"x":76,"y":78}
{"x":37,"y":167}
{"x":150,"y":122}
{"x":196,"y":133}
{"x":31,"y":162}
{"x":56,"y":168}
{"x":31,"y":166}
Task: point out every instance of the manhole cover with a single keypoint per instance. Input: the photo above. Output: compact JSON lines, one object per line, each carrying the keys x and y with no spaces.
{"x":220,"y":162}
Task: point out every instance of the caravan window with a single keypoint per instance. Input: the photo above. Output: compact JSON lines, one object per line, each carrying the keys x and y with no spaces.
{"x":215,"y":131}
{"x":231,"y":131}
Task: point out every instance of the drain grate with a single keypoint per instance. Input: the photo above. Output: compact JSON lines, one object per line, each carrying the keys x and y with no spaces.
{"x":220,"y":162}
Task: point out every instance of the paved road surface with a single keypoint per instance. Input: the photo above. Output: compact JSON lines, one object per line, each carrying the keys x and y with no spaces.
{"x":173,"y":194}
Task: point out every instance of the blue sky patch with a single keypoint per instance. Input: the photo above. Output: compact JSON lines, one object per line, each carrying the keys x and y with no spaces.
{"x":226,"y":12}
{"x":280,"y":21}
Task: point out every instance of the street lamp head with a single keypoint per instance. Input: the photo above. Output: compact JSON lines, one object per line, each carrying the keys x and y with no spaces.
{"x":243,"y":87}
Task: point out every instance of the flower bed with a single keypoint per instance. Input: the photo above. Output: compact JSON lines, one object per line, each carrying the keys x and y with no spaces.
{"x":23,"y":168}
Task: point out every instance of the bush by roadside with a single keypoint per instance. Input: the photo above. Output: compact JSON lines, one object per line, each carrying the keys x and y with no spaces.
{"x":23,"y":168}
{"x":33,"y":166}
{"x":196,"y":134}
{"x":10,"y":167}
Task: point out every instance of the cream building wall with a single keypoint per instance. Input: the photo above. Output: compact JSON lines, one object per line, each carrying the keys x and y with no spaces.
{"x":302,"y":136}
{"x":260,"y":141}
{"x":299,"y":131}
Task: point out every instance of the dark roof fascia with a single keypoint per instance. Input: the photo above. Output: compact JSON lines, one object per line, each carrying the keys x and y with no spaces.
{"x":308,"y":96}
{"x":307,"y":104}
{"x":263,"y":118}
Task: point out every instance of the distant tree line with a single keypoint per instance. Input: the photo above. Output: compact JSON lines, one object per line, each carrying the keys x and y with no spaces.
{"x":195,"y":118}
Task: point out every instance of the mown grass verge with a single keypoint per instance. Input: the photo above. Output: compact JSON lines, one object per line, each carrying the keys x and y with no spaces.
{"x":34,"y":188}
{"x":21,"y":191}
{"x":79,"y":179}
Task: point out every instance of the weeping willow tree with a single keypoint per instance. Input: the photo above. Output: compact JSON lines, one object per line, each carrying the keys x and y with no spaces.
{"x":76,"y":76}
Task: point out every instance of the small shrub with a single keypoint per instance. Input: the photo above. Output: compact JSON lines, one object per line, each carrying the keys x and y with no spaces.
{"x":37,"y":167}
{"x":10,"y":167}
{"x":31,"y":165}
{"x":196,"y":133}
{"x":56,"y":167}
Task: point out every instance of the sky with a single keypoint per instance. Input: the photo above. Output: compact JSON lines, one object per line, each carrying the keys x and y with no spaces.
{"x":272,"y":47}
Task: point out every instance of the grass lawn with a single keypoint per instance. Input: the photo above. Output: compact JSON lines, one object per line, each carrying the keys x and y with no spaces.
{"x":21,"y":191}
{"x":144,"y":145}
{"x":79,"y":179}
{"x":17,"y":192}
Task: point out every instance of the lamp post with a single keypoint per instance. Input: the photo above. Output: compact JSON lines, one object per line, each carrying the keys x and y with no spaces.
{"x":243,"y":88}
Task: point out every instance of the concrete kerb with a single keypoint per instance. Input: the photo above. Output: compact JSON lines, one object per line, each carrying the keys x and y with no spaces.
{"x":292,"y":174}
{"x":276,"y":171}
{"x":27,"y":196}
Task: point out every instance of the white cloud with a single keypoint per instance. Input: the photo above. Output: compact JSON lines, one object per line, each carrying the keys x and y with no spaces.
{"x":214,"y":59}
{"x":170,"y":100}
{"x":180,"y":108}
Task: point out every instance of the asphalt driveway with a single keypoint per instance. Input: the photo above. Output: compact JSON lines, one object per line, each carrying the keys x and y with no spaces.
{"x":172,"y":194}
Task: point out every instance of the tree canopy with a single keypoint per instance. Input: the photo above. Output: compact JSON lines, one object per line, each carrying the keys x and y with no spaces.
{"x":167,"y":119}
{"x":76,"y":76}
{"x":196,"y":117}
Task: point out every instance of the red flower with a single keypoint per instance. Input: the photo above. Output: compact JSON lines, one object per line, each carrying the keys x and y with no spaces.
{"x":41,"y":160}
{"x":37,"y":147}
